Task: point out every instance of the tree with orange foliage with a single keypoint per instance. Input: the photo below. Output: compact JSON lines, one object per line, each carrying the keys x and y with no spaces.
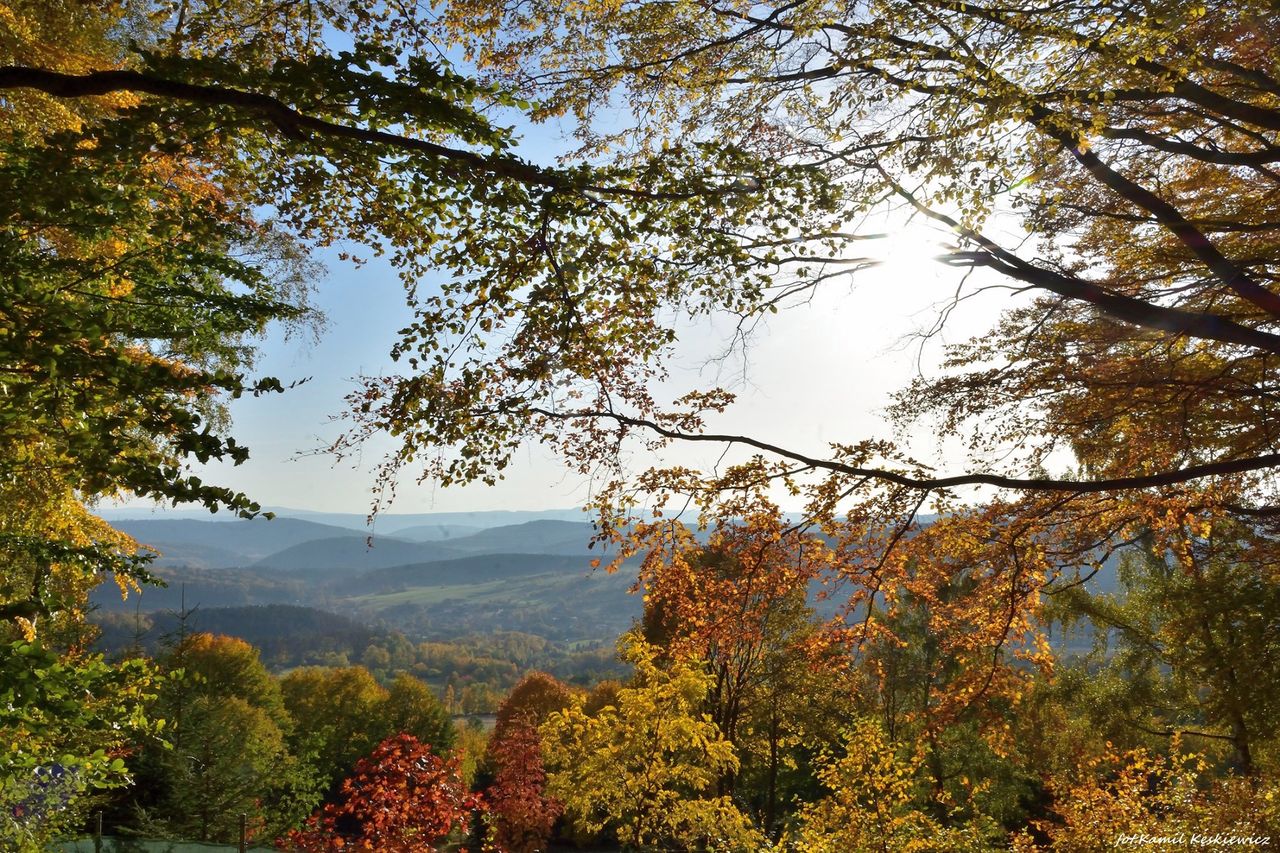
{"x":1167,"y":799}
{"x":401,"y":799}
{"x":521,"y":814}
{"x":532,"y":700}
{"x":731,"y":602}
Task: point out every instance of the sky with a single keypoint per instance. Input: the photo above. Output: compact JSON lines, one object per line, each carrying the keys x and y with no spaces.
{"x":816,"y":373}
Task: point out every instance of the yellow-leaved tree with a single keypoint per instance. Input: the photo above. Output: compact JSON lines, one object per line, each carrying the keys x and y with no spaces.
{"x":874,"y":804}
{"x":643,"y":768}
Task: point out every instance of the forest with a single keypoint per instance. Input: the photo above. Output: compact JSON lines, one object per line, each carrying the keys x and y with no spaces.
{"x":858,"y":643}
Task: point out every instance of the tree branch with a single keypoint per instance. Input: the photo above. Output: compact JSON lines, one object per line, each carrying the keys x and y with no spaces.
{"x":1145,"y":481}
{"x":289,"y":121}
{"x":1130,"y":310}
{"x":294,"y":124}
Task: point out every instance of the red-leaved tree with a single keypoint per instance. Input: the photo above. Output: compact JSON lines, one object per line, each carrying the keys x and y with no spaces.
{"x":521,"y":815}
{"x":401,"y":799}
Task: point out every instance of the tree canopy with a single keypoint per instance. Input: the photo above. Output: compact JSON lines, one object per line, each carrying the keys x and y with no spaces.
{"x":1095,"y":124}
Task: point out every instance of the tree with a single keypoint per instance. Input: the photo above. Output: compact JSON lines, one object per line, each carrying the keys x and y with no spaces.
{"x":401,"y":798}
{"x":1131,"y":396}
{"x":227,"y":750}
{"x":737,"y":604}
{"x":67,"y":722}
{"x":219,"y":667}
{"x":939,"y":686}
{"x":53,"y":550}
{"x":521,"y":813}
{"x":725,"y":602}
{"x":1137,"y":794}
{"x":113,"y":223}
{"x":343,"y":708}
{"x":1133,"y":386}
{"x":643,"y":769}
{"x":531,"y":701}
{"x":1080,"y":114}
{"x":113,"y":333}
{"x":134,"y":285}
{"x":161,"y":223}
{"x":63,"y":37}
{"x":413,"y":709}
{"x":340,"y":144}
{"x":603,"y":695}
{"x":227,"y":759}
{"x":344,"y":713}
{"x":1187,"y":645}
{"x":521,"y":816}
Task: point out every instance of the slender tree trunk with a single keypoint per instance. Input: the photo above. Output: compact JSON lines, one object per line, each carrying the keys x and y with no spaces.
{"x":1240,"y":741}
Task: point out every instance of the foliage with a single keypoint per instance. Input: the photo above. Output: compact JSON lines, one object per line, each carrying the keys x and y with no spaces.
{"x":133,"y":285}
{"x":1187,"y":644}
{"x":66,"y":724}
{"x":344,"y":712}
{"x":344,"y":708}
{"x":1122,"y":394}
{"x":400,"y":798}
{"x":227,"y":752}
{"x":603,"y":695}
{"x":61,"y":36}
{"x":227,"y":758}
{"x":413,"y":709}
{"x":642,"y":770}
{"x":874,"y":804}
{"x":481,"y":666}
{"x":919,"y":673}
{"x":520,"y":814}
{"x":169,"y":166}
{"x":726,"y":602}
{"x":738,"y":604}
{"x":472,"y":748}
{"x":1090,"y":123}
{"x":1148,"y":797}
{"x":532,"y":700}
{"x":53,"y":551}
{"x":218,"y":666}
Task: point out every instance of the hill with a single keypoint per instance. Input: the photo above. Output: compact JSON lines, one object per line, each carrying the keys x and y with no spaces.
{"x":567,"y":606}
{"x":391,"y":524}
{"x":544,"y":536}
{"x":193,"y":587}
{"x":463,"y":571}
{"x":286,"y":635}
{"x":354,"y":553}
{"x":435,"y":532}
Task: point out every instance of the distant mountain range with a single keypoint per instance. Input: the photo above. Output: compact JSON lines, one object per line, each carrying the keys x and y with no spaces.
{"x":290,"y":543}
{"x":209,"y":544}
{"x":534,"y":576}
{"x":387,"y":523}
